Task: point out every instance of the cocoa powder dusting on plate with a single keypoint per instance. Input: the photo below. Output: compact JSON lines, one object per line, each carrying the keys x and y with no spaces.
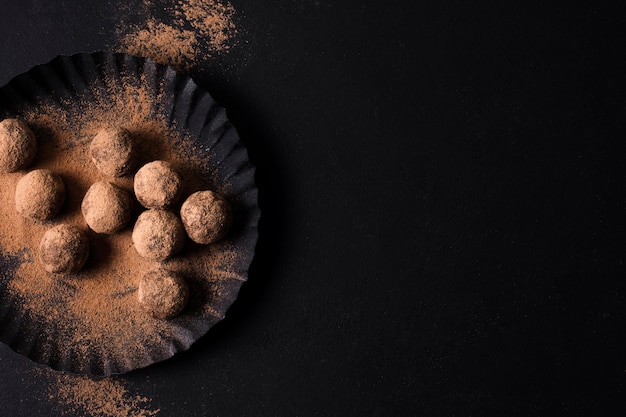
{"x":93,"y":316}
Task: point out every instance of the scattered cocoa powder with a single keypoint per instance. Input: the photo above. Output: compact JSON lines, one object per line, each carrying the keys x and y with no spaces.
{"x":211,"y":19}
{"x":93,"y":396}
{"x":165,"y":44}
{"x":94,"y":318}
{"x":192,"y":30}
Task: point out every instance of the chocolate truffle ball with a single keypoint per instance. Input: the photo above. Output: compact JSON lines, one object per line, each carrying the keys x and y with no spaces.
{"x":206,"y":216}
{"x":158,"y":234}
{"x":17,"y":145}
{"x":39,"y":194}
{"x":106,"y":207}
{"x":157,"y":185}
{"x":113,"y":152}
{"x":63,"y":249}
{"x":162,"y":294}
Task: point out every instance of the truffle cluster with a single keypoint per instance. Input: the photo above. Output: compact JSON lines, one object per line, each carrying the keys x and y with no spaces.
{"x":159,"y":232}
{"x":39,"y":196}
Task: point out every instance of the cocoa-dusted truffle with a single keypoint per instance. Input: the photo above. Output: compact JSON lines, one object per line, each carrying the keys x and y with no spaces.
{"x":206,"y":216}
{"x":158,"y":234}
{"x":63,"y":249}
{"x":39,"y":194}
{"x":113,"y":152}
{"x":18,"y":145}
{"x":157,"y":185}
{"x":106,"y":207}
{"x":163,"y":294}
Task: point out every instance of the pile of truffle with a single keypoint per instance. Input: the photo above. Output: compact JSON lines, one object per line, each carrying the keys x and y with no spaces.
{"x":158,"y":233}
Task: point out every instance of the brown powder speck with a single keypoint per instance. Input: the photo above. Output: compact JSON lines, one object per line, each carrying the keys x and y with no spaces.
{"x":211,"y":19}
{"x":97,"y":397}
{"x":162,"y":43}
{"x":191,"y":29}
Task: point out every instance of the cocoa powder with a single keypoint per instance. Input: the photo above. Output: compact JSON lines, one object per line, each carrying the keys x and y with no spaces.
{"x":183,"y":33}
{"x":93,"y":396}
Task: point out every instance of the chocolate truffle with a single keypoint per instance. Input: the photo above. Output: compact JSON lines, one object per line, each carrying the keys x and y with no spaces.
{"x":63,"y":249}
{"x":18,"y":145}
{"x":157,"y":185}
{"x":106,"y":207}
{"x":158,"y":234}
{"x":39,"y":194}
{"x":206,"y":216}
{"x":113,"y":152}
{"x":163,"y":294}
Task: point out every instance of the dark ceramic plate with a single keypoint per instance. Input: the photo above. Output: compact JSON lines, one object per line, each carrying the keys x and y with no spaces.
{"x":72,"y":323}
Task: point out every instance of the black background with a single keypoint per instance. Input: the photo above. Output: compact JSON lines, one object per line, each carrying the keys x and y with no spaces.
{"x":443,"y":194}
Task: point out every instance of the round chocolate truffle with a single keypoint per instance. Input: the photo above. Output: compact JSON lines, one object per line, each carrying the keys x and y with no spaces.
{"x":158,"y":234}
{"x":113,"y":152}
{"x":206,"y":216}
{"x":39,"y":194}
{"x":63,"y":249}
{"x":106,"y":207}
{"x":163,"y":294}
{"x":18,"y":145}
{"x":157,"y":185}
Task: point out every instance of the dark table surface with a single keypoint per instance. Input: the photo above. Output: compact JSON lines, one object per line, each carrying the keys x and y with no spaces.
{"x":443,"y":193}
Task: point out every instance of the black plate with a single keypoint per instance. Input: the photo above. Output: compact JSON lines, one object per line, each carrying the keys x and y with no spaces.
{"x":63,"y":101}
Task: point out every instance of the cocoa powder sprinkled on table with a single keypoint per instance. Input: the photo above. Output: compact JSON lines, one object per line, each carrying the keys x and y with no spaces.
{"x":187,"y":31}
{"x":93,"y":396}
